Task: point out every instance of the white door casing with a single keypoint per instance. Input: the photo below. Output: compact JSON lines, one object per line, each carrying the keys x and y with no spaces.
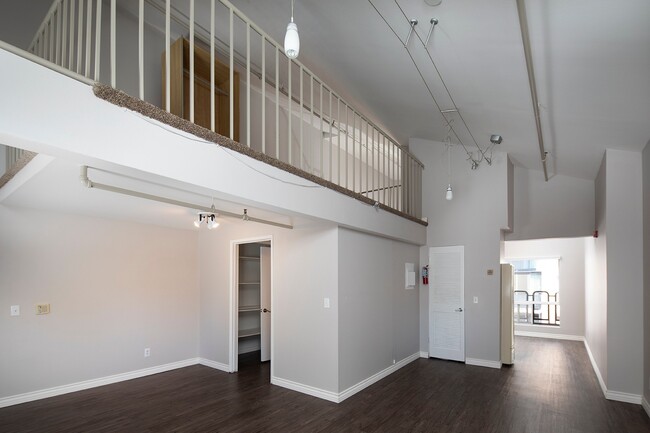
{"x":265,"y":302}
{"x":446,"y":303}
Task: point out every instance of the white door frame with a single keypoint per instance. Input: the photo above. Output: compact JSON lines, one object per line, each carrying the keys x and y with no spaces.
{"x":234,"y":300}
{"x":460,"y":248}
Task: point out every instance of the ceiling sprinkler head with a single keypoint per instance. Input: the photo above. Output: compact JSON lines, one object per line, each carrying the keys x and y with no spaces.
{"x":496,"y":139}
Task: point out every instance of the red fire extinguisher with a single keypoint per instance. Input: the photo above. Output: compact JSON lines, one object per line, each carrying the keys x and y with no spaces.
{"x":425,"y":275}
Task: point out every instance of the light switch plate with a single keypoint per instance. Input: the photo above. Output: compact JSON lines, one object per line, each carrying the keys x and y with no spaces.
{"x":43,"y":309}
{"x":476,"y":299}
{"x":15,"y":310}
{"x":326,"y":302}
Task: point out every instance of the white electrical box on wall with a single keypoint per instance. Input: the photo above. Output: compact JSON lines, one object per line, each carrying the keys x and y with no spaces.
{"x":409,"y":276}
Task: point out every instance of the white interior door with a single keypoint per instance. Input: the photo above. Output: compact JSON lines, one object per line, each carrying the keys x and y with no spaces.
{"x":265,"y":302}
{"x":446,"y":303}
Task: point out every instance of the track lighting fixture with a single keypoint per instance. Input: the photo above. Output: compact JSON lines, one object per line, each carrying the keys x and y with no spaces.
{"x":207,"y":218}
{"x":291,"y":38}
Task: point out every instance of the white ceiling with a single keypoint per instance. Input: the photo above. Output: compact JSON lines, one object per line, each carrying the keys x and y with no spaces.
{"x":591,"y":58}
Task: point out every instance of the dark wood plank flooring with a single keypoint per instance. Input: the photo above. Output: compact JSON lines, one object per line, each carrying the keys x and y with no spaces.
{"x":551,"y":388}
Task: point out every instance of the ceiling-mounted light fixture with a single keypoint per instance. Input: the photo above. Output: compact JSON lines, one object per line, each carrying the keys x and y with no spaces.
{"x":291,"y":38}
{"x":207,"y":218}
{"x":433,"y":2}
{"x":245,"y":216}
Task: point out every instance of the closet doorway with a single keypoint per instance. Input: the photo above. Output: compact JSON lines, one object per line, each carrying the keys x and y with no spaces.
{"x":251,"y":292}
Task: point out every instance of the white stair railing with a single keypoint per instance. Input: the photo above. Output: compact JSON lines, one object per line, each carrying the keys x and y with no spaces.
{"x":282,"y":108}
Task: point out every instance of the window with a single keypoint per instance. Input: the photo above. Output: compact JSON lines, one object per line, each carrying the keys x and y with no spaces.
{"x":537,"y":291}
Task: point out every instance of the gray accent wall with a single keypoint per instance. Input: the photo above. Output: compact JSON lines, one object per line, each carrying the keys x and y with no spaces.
{"x":596,"y":278}
{"x":114,"y":289}
{"x":474,"y":218}
{"x":562,"y":207}
{"x":624,"y":271}
{"x":305,"y":335}
{"x":378,"y":317}
{"x":646,"y":274}
{"x":615,"y":274}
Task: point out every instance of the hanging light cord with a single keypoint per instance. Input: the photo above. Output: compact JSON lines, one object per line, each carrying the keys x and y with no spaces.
{"x":292,"y":10}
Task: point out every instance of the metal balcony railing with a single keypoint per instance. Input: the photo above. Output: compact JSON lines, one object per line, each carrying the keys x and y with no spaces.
{"x":219,"y":70}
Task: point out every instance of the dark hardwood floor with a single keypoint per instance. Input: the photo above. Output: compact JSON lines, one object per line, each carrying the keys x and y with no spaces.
{"x":551,"y":388}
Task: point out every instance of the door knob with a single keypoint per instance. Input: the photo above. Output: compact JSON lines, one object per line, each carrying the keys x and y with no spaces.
{"x":458,"y":310}
{"x":266,"y":311}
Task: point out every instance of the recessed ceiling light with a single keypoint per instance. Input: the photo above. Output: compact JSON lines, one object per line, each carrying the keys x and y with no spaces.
{"x":433,"y":2}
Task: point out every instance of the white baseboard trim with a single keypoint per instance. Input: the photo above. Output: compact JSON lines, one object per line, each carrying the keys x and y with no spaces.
{"x":377,"y":377}
{"x":483,"y":363}
{"x":306,"y":389}
{"x":424,"y":354}
{"x":338,"y":397}
{"x":214,"y":364}
{"x":611,"y":395}
{"x":624,"y":397}
{"x":93,"y":383}
{"x":550,"y":335}
{"x":603,"y":387}
{"x":646,"y":406}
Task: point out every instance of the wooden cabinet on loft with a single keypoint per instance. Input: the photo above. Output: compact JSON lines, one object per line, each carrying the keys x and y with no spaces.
{"x":180,"y":88}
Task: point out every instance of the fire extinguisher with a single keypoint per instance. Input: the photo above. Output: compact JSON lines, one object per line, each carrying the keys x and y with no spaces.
{"x":425,"y":275}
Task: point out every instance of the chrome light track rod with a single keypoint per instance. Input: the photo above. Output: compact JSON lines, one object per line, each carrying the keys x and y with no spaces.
{"x":85,"y":181}
{"x":434,"y":22}
{"x":413,"y":23}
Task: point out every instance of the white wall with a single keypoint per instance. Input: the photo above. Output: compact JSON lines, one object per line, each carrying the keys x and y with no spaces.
{"x":624,"y":271}
{"x":561,"y":207}
{"x":474,"y":218}
{"x":305,"y":261}
{"x":114,"y":287}
{"x":571,"y":251}
{"x":378,"y":318}
{"x":596,"y":278}
{"x":646,"y":269}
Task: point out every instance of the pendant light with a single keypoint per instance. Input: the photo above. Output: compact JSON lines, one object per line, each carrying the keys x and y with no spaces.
{"x":449,"y":194}
{"x":291,"y":38}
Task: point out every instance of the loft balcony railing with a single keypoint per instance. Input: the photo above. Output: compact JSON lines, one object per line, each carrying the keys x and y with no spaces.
{"x":205,"y":61}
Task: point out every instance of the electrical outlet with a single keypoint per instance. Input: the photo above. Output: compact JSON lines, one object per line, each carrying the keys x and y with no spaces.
{"x":490,"y":271}
{"x":147,"y":352}
{"x":393,"y":361}
{"x":43,"y":309}
{"x":476,"y":299}
{"x":15,"y":310}
{"x":326,"y":302}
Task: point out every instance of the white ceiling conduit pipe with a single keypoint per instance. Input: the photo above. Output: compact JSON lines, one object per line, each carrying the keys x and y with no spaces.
{"x":523,"y":23}
{"x":85,"y":181}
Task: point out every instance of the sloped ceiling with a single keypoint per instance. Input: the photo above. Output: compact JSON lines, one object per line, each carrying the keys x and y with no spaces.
{"x":591,"y":60}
